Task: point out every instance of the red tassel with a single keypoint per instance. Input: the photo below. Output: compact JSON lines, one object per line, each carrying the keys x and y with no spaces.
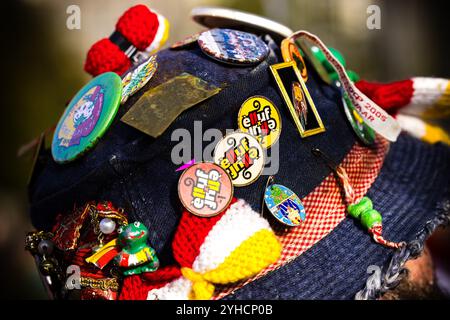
{"x":139,"y":26}
{"x":105,"y":56}
{"x":389,"y":96}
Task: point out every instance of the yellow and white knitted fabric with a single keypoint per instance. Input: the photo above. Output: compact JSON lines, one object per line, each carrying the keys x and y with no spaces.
{"x":233,"y":246}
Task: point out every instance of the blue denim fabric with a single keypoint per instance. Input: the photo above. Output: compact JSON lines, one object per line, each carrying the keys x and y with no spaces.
{"x":135,"y":172}
{"x":413,"y":180}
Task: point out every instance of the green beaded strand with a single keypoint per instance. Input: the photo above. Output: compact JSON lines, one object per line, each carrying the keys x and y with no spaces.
{"x":363,"y":210}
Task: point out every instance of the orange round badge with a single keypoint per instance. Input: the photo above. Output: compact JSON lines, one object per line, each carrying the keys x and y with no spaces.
{"x":205,"y":189}
{"x":289,"y":51}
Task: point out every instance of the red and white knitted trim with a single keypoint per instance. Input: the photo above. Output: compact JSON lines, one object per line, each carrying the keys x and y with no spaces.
{"x":324,"y":206}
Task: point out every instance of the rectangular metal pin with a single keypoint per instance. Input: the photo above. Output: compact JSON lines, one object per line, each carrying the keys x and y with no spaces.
{"x":297,"y":98}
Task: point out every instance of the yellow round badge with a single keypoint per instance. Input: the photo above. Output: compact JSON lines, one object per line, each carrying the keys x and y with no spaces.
{"x":259,"y":117}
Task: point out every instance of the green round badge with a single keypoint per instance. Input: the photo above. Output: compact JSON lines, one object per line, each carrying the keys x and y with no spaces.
{"x":362,"y":130}
{"x":87,"y":117}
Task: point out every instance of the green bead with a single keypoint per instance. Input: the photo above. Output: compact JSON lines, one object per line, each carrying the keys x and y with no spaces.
{"x":370,"y":217}
{"x":355,"y":210}
{"x":353,"y":75}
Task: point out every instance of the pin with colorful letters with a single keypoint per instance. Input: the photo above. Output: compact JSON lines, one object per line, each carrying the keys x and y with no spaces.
{"x":241,"y":156}
{"x":260,"y":117}
{"x":205,"y":189}
{"x":297,"y":98}
{"x":284,"y":204}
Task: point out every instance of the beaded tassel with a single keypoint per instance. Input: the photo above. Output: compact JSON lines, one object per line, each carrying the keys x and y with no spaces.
{"x":372,"y":220}
{"x":363,"y":210}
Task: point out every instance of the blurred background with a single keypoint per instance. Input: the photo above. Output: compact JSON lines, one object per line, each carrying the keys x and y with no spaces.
{"x":42,"y":64}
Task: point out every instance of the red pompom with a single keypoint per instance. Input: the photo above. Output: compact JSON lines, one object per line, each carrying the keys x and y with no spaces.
{"x":105,"y":56}
{"x":389,"y":96}
{"x":139,"y":25}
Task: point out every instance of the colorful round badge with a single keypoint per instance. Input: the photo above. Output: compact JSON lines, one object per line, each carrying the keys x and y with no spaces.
{"x":290,"y":52}
{"x":284,"y":205}
{"x":259,"y":117}
{"x":87,"y":117}
{"x":233,"y":46}
{"x":205,"y":189}
{"x":241,"y":156}
{"x":362,"y":130}
{"x":137,"y":78}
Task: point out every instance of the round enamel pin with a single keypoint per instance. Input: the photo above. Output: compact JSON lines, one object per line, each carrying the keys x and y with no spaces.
{"x":233,"y":47}
{"x":205,"y":189}
{"x":241,"y":156}
{"x":259,"y":117}
{"x":290,"y":52}
{"x":137,"y":78}
{"x":284,"y":205}
{"x":87,"y":117}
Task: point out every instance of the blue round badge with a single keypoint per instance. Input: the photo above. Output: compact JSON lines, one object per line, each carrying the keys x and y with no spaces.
{"x":87,"y":117}
{"x":284,"y":205}
{"x":233,"y":47}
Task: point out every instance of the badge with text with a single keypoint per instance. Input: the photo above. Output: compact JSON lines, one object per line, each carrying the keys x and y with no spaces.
{"x":284,"y":205}
{"x":205,"y":189}
{"x":233,"y":46}
{"x":87,"y":117}
{"x":241,"y":156}
{"x":137,"y":78}
{"x":259,"y":117}
{"x":290,"y":52}
{"x":297,"y":98}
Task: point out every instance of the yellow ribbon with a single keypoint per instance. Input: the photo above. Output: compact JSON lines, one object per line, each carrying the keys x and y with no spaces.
{"x":201,"y":288}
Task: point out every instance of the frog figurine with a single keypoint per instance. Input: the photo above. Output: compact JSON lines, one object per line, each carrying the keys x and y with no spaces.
{"x":136,"y":256}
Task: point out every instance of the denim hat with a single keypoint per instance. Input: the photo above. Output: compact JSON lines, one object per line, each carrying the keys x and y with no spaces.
{"x":135,"y":172}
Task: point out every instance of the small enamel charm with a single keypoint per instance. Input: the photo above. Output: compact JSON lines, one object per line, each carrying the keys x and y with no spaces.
{"x":284,"y":204}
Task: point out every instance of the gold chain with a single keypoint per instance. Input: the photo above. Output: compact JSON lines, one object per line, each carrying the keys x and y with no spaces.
{"x":103,"y":284}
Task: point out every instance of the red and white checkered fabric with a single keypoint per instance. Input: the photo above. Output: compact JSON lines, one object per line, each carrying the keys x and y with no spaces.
{"x":325,"y":207}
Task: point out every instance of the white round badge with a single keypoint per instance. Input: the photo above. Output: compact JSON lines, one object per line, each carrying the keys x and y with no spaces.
{"x":241,"y":156}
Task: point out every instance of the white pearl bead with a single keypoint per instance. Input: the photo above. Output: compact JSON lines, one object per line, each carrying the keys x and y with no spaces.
{"x":107,"y":225}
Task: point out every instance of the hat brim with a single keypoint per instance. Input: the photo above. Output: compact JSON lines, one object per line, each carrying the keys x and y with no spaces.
{"x":410,"y":191}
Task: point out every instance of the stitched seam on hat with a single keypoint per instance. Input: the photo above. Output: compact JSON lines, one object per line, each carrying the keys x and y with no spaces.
{"x":380,"y":282}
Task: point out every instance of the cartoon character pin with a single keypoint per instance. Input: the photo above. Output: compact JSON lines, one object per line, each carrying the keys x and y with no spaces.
{"x":284,"y":204}
{"x":87,"y":117}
